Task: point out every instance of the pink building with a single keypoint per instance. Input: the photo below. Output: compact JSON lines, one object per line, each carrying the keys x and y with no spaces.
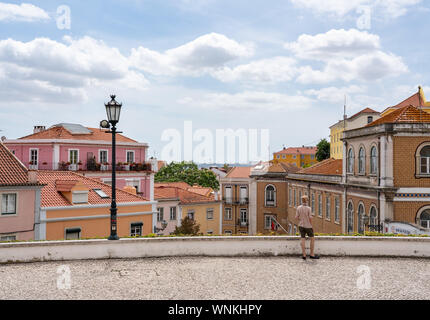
{"x":19,"y":198}
{"x":88,"y":151}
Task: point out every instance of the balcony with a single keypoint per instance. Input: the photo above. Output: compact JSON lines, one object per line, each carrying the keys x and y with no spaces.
{"x":90,"y":166}
{"x":243,"y":201}
{"x":242,"y":223}
{"x":228,"y":200}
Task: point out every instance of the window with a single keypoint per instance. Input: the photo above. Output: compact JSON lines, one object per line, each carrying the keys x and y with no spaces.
{"x":313,"y":203}
{"x":373,"y":160}
{"x":103,"y":156}
{"x":350,"y":161}
{"x":227,"y":214}
{"x":210,"y":214}
{"x":278,"y":156}
{"x":373,"y":220}
{"x":228,"y":232}
{"x":295,"y":198}
{"x":312,"y":157}
{"x":172,"y":213}
{"x":362,"y":161}
{"x":73,"y":233}
{"x":243,"y":216}
{"x":350,"y":218}
{"x":228,"y":195}
{"x":336,"y":209}
{"x":283,"y":156}
{"x":79,"y":197}
{"x":190,"y":214}
{"x":270,"y":196}
{"x":302,"y":156}
{"x":73,"y":156}
{"x":294,"y":156}
{"x":320,"y":205}
{"x":300,"y":197}
{"x":160,"y":214}
{"x":34,"y":157}
{"x":8,"y":203}
{"x":425,"y":219}
{"x":101,"y":193}
{"x":425,"y":160}
{"x":290,"y":200}
{"x":327,"y":208}
{"x":209,"y":232}
{"x":243,"y":195}
{"x":130,"y":156}
{"x":360,"y":219}
{"x":369,"y":119}
{"x":8,"y":238}
{"x":136,"y":229}
{"x":267,"y":221}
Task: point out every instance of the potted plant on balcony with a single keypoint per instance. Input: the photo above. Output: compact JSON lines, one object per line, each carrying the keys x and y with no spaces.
{"x":104,"y":166}
{"x":79,"y":165}
{"x":126,"y":166}
{"x":119,"y":166}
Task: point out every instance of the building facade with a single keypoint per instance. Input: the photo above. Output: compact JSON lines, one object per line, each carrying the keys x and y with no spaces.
{"x":300,"y":156}
{"x":19,"y":198}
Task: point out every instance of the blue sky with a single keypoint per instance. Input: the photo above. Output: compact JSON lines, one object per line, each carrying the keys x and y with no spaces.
{"x":278,"y":65}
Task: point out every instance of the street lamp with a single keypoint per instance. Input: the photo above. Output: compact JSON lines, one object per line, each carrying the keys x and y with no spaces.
{"x":113,"y":110}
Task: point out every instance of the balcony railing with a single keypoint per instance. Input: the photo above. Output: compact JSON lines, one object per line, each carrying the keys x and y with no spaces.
{"x":243,"y":201}
{"x":228,"y":200}
{"x":242,"y":223}
{"x":89,"y":166}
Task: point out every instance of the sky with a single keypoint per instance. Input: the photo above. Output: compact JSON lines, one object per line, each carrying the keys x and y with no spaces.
{"x":284,"y":66}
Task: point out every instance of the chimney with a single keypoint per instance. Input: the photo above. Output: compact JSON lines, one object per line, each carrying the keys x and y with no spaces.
{"x":154,"y":164}
{"x":216,"y":195}
{"x":38,"y":129}
{"x":32,"y":176}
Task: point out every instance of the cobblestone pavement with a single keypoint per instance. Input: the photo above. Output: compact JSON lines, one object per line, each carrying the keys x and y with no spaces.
{"x":219,"y":278}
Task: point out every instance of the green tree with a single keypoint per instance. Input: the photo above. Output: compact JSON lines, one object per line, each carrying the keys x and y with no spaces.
{"x":323,"y":150}
{"x":187,"y":172}
{"x":188,"y":227}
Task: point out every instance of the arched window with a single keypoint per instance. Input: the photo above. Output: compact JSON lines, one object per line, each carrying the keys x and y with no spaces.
{"x":360,"y":219}
{"x":373,"y":160}
{"x":373,"y":219}
{"x":270,"y":196}
{"x":362,"y":160}
{"x":350,"y":218}
{"x":425,"y":160}
{"x":425,"y":219}
{"x":350,"y":163}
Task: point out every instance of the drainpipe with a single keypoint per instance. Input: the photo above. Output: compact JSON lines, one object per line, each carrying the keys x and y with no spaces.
{"x":345,"y":192}
{"x":379,"y":183}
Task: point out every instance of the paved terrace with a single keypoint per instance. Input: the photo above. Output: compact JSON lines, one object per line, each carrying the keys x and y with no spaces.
{"x":219,"y":278}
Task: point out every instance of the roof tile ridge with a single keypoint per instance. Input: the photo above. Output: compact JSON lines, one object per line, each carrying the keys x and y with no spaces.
{"x":14,"y":158}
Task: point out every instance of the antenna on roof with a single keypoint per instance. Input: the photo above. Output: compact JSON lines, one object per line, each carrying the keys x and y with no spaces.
{"x":344,"y":114}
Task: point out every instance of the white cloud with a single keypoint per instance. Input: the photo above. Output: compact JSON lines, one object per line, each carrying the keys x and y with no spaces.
{"x":23,"y":12}
{"x":341,"y":8}
{"x":249,"y":101}
{"x":272,"y":70}
{"x":334,"y":94}
{"x":204,"y":54}
{"x":45,"y":69}
{"x":347,"y":55}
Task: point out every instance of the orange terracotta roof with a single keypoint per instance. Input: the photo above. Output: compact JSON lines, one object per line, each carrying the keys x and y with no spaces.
{"x":204,"y":191}
{"x":299,"y":150}
{"x":327,"y":167}
{"x":12,"y":171}
{"x":184,"y":196}
{"x":180,"y":184}
{"x":51,"y":197}
{"x":59,"y":132}
{"x":239,"y":172}
{"x":65,"y":185}
{"x":366,"y":110}
{"x":407,"y":114}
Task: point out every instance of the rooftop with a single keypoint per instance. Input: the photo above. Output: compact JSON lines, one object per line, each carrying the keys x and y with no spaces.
{"x":182,"y":195}
{"x":326,"y":167}
{"x":298,"y":150}
{"x":59,"y":180}
{"x":239,"y":172}
{"x":12,"y":171}
{"x":406,"y":114}
{"x":68,"y":131}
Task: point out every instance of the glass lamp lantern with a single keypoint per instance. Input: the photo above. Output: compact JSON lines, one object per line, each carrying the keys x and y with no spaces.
{"x":113,"y":110}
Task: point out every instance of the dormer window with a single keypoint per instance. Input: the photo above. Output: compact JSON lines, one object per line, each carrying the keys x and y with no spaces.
{"x":369,"y":119}
{"x":79,"y":197}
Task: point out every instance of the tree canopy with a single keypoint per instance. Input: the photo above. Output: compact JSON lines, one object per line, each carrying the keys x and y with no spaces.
{"x":188,"y":227}
{"x":323,"y":150}
{"x":187,"y":172}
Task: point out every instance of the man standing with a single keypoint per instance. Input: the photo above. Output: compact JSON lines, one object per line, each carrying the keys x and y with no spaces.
{"x":304,"y":215}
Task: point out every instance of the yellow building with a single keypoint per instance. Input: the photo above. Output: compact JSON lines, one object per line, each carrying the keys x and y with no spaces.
{"x":358,"y":120}
{"x":206,"y":214}
{"x":299,"y":157}
{"x":417,"y":100}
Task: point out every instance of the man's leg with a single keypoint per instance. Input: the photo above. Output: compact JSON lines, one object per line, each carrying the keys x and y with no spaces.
{"x":312,"y":246}
{"x":303,"y":242}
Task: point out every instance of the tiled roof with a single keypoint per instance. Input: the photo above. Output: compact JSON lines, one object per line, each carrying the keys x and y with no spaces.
{"x":299,"y":150}
{"x":184,"y":196}
{"x":327,"y":167}
{"x":204,"y":191}
{"x":366,"y":110}
{"x":417,"y":100}
{"x":405,"y":114}
{"x":51,"y":197}
{"x":239,"y":172}
{"x":12,"y":171}
{"x":180,"y":184}
{"x":59,"y":132}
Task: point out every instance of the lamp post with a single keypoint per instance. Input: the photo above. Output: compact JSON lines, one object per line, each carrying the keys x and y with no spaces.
{"x":113,"y":110}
